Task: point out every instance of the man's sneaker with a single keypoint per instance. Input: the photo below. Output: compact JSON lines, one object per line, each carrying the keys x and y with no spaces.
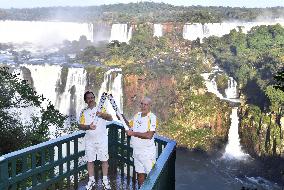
{"x":106,"y":184}
{"x":90,"y":185}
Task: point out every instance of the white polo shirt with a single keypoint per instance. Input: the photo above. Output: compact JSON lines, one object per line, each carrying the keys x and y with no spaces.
{"x":99,"y":135}
{"x":142,"y":125}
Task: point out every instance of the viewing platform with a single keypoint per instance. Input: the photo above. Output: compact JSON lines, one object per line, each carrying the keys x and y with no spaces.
{"x":60,"y":164}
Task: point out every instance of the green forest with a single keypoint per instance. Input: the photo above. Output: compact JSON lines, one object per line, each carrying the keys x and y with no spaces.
{"x":142,"y":12}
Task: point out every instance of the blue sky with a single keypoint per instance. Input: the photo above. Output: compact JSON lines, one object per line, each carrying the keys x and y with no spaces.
{"x":232,"y":3}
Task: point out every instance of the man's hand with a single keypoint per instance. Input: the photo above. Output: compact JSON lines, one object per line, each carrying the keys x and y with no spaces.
{"x":100,"y":114}
{"x":92,"y":126}
{"x":130,"y":133}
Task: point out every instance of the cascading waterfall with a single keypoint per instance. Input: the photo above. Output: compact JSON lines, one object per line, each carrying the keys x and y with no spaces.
{"x":120,"y":33}
{"x":158,"y":30}
{"x":112,"y":84}
{"x":45,"y":78}
{"x":71,"y":102}
{"x":233,"y":149}
{"x":231,"y":91}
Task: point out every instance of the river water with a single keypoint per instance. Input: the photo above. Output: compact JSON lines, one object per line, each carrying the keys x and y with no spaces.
{"x":200,"y":171}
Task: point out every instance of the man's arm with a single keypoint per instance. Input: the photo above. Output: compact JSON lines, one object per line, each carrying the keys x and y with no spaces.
{"x":104,"y":116}
{"x":87,"y":127}
{"x":126,"y":121}
{"x":146,"y":135}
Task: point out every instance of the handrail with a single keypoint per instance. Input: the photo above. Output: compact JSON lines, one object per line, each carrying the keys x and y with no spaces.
{"x":168,"y":153}
{"x":38,"y":159}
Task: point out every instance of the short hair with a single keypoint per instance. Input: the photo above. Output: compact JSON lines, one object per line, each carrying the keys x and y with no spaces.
{"x":86,"y":93}
{"x":148,"y":99}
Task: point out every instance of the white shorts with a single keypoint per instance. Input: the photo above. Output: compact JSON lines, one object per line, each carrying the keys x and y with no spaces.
{"x":143,"y":164}
{"x":96,"y":151}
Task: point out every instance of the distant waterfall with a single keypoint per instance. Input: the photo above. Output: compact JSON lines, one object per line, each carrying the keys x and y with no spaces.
{"x":113,"y":84}
{"x":233,"y":148}
{"x":198,"y":30}
{"x":120,"y":33}
{"x":211,"y":85}
{"x":43,"y":32}
{"x":158,"y":30}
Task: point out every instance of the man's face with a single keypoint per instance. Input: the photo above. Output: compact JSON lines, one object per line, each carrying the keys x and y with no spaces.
{"x":90,"y":100}
{"x":145,"y":106}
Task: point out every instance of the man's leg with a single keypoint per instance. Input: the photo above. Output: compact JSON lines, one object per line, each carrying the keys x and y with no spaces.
{"x":105,"y":168}
{"x":141,"y":179}
{"x":90,"y":167}
{"x":91,"y":182}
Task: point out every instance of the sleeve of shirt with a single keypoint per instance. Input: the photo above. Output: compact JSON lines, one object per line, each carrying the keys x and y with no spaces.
{"x":82,"y":119}
{"x":153,"y":123}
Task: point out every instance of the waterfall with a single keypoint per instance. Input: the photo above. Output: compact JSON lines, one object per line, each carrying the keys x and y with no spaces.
{"x":158,"y":30}
{"x":198,"y":30}
{"x":211,"y":85}
{"x":112,"y":84}
{"x":233,"y":149}
{"x":231,"y":91}
{"x":71,"y":102}
{"x":101,"y":32}
{"x":120,"y":33}
{"x":45,"y":78}
{"x":43,"y":32}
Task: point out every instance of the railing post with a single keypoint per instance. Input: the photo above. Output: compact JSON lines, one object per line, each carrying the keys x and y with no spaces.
{"x":172,"y":175}
{"x":112,"y":141}
{"x":76,"y":162}
{"x":3,"y":174}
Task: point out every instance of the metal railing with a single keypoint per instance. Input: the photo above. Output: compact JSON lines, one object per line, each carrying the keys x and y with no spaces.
{"x":58,"y":163}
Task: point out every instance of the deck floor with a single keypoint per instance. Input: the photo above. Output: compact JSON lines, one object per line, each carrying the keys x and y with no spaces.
{"x":116,"y":182}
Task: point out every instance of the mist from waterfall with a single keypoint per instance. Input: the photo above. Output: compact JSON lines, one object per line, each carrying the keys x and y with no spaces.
{"x":43,"y":33}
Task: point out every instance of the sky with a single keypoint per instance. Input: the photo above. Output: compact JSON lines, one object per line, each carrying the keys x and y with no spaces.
{"x":48,"y":3}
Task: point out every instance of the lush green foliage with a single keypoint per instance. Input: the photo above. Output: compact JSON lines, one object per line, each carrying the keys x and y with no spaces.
{"x":18,"y":95}
{"x":252,"y":59}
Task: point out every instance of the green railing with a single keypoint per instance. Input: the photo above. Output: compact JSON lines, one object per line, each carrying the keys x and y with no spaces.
{"x":58,"y":163}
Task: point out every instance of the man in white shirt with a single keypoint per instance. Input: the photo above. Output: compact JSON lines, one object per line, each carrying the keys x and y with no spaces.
{"x":96,"y":138}
{"x":143,"y":127}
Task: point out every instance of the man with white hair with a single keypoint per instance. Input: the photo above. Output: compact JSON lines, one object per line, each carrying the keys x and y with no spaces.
{"x":143,"y":127}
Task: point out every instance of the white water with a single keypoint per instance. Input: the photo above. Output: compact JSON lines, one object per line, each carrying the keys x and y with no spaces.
{"x":43,"y":32}
{"x":233,"y":149}
{"x":211,"y":85}
{"x":198,"y":30}
{"x":158,"y":30}
{"x":231,"y":91}
{"x":120,"y":33}
{"x":112,"y":84}
{"x":75,"y":85}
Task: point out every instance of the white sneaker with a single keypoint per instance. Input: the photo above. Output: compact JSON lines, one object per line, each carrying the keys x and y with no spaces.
{"x":106,"y":184}
{"x":90,"y":185}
